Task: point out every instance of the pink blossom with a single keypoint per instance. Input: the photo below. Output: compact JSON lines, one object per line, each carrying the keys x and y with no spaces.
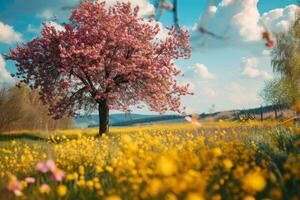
{"x":50,"y":164}
{"x":104,"y":55}
{"x":44,"y":188}
{"x":41,"y":167}
{"x":14,"y":186}
{"x":30,"y":180}
{"x":47,"y":166}
{"x":58,"y":175}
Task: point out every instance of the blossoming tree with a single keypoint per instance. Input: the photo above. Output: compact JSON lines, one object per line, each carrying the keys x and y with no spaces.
{"x":108,"y":58}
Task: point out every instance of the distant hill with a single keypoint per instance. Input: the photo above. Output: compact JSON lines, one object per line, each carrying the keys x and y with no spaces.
{"x":93,"y":120}
{"x":268,"y":112}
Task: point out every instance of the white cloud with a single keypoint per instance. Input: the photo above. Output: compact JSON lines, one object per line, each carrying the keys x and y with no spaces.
{"x":240,"y":96}
{"x":45,"y":14}
{"x":203,"y":72}
{"x":212,"y":9}
{"x":279,"y":19}
{"x":190,"y":110}
{"x":32,"y":29}
{"x":240,"y":23}
{"x":4,"y":75}
{"x":8,"y":34}
{"x":57,"y":26}
{"x":210,"y":92}
{"x":266,"y":52}
{"x":251,"y":69}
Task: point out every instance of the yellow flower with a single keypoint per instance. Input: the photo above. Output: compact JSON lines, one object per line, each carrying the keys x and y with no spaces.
{"x":254,"y":181}
{"x":109,"y":169}
{"x":170,"y":196}
{"x":13,"y":143}
{"x":81,"y":170}
{"x":99,"y":169}
{"x":194,"y":196}
{"x":217,"y":151}
{"x":154,"y":187}
{"x":71,"y":177}
{"x":90,"y":184}
{"x":166,"y":166}
{"x":61,"y":190}
{"x":98,"y":186}
{"x":248,"y":198}
{"x":113,"y":197}
{"x":227,"y":164}
{"x":80,"y":183}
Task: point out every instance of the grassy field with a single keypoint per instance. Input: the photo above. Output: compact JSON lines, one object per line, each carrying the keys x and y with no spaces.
{"x":218,"y":160}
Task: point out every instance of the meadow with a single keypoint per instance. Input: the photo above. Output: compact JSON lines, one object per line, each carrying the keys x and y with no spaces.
{"x":213,"y":160}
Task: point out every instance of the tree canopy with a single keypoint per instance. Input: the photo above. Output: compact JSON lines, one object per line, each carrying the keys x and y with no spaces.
{"x":110,"y":58}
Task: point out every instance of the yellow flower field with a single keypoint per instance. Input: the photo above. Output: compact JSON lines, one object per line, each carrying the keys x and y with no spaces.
{"x":217,"y":160}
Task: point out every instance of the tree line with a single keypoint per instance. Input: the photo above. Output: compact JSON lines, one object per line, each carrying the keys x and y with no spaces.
{"x":22,"y":109}
{"x":284,"y":89}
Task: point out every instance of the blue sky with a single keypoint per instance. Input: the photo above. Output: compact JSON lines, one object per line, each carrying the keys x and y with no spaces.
{"x":228,"y":73}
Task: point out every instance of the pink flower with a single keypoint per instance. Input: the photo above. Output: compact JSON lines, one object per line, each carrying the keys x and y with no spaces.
{"x":44,"y":189}
{"x":58,"y":174}
{"x":41,"y":167}
{"x":14,"y":186}
{"x":49,"y":165}
{"x":30,"y":180}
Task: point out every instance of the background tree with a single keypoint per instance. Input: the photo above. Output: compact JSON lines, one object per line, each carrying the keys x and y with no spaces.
{"x":11,"y":106}
{"x":277,"y":92}
{"x":105,"y":58}
{"x":286,"y":63}
{"x":21,"y":109}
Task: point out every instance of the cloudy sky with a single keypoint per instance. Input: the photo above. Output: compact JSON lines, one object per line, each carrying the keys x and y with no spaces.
{"x":227,"y":73}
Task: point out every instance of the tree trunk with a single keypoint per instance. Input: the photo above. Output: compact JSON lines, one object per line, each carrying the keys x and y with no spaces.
{"x":103,"y":117}
{"x":261,"y":114}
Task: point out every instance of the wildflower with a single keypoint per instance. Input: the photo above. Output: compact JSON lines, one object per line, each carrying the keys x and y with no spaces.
{"x":99,"y":169}
{"x":166,"y":166}
{"x":194,"y":196}
{"x":14,"y":186}
{"x":44,"y":189}
{"x":90,"y":184}
{"x":30,"y":180}
{"x":227,"y":164}
{"x":248,"y":198}
{"x":217,"y":151}
{"x":113,"y":197}
{"x":109,"y":169}
{"x":71,"y":177}
{"x":81,"y":170}
{"x":58,"y":174}
{"x":49,"y":165}
{"x":61,"y":190}
{"x":98,"y":186}
{"x":13,"y":143}
{"x":254,"y":181}
{"x":171,"y":196}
